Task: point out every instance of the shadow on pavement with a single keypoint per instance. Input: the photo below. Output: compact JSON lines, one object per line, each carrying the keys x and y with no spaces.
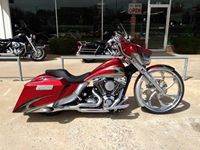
{"x":68,"y":116}
{"x":181,"y":107}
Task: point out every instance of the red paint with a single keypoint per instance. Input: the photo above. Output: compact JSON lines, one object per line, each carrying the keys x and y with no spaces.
{"x":109,"y":67}
{"x":61,"y":87}
{"x":131,"y":48}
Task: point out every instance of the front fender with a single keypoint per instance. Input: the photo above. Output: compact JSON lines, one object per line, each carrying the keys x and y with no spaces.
{"x":161,"y":65}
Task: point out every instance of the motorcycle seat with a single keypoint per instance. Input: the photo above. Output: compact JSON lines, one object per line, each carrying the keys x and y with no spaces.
{"x":62,"y":73}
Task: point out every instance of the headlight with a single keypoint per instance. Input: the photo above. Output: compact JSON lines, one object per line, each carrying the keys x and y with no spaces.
{"x":146,"y":59}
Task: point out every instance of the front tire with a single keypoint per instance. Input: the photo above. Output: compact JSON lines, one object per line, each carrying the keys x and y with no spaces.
{"x":149,"y":98}
{"x":39,"y":55}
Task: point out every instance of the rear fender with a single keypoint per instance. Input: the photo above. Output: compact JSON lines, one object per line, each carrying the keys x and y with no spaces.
{"x":42,"y":90}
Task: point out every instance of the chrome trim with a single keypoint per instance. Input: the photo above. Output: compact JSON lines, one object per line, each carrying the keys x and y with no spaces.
{"x":30,"y":42}
{"x":73,"y":96}
{"x":44,"y":87}
{"x":119,"y":73}
{"x":147,"y":75}
{"x":148,"y":105}
{"x":43,"y":110}
{"x":27,"y":105}
{"x":83,"y":107}
{"x":113,"y":75}
{"x":118,"y":99}
{"x":100,"y":100}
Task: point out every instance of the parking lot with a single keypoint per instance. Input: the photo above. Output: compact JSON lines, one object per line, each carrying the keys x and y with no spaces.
{"x":131,"y":129}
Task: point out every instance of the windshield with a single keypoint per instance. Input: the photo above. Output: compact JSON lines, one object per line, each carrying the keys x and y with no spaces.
{"x":121,"y":30}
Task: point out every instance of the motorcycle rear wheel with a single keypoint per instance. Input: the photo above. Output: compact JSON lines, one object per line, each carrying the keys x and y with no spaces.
{"x":150,"y":98}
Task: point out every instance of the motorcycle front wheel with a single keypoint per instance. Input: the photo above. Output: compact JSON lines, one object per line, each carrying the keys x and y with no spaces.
{"x":150,"y":98}
{"x":39,"y":55}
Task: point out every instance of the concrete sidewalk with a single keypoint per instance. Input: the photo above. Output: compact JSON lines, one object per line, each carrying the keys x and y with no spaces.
{"x":131,"y":129}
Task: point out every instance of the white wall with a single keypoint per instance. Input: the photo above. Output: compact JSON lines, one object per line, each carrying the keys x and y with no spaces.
{"x":5,"y":20}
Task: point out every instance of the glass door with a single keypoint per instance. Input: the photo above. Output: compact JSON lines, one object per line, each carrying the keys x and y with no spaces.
{"x":158,"y":17}
{"x":157,"y":28}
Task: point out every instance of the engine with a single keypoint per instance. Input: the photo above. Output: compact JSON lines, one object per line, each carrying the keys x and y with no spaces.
{"x":110,"y":89}
{"x":18,"y":48}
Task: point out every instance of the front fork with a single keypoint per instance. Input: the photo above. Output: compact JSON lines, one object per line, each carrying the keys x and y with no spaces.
{"x":30,"y":42}
{"x":147,"y":75}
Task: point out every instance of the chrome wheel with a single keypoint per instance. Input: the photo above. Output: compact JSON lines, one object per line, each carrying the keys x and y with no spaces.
{"x":149,"y":97}
{"x":39,"y":55}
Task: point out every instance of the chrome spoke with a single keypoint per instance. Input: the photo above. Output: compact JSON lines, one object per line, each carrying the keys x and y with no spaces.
{"x":174,"y":81}
{"x":160,"y":101}
{"x":162,"y":75}
{"x":155,"y":101}
{"x":171,"y":95}
{"x":151,"y":96}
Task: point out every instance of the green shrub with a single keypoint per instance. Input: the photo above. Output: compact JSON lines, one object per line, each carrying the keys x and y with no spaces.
{"x":186,"y":45}
{"x":63,"y":46}
{"x":66,"y":45}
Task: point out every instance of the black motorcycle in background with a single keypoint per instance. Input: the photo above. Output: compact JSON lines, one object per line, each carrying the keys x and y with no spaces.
{"x":98,"y":47}
{"x":24,"y":44}
{"x":106,"y":47}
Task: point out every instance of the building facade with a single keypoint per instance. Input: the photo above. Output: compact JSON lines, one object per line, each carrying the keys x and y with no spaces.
{"x":154,"y":21}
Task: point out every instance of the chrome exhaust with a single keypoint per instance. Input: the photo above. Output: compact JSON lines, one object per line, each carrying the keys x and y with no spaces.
{"x":72,"y":97}
{"x":100,"y":100}
{"x":82,"y":107}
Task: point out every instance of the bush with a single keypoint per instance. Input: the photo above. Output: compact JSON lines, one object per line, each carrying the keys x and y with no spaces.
{"x":186,"y":45}
{"x":66,"y":45}
{"x":63,"y":46}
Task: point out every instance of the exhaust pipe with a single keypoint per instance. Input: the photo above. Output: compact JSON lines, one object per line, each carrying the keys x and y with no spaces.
{"x":83,"y":107}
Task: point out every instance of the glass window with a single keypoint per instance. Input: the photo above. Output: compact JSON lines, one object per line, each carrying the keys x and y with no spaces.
{"x":160,"y":1}
{"x":117,"y":11}
{"x":185,"y":18}
{"x":39,"y":15}
{"x":80,"y":18}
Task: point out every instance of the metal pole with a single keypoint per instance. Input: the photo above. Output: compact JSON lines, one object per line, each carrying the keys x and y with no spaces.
{"x":56,"y":14}
{"x":62,"y":63}
{"x":148,"y":24}
{"x":20,"y":69}
{"x":102,"y":9}
{"x":185,"y":69}
{"x":167,"y":24}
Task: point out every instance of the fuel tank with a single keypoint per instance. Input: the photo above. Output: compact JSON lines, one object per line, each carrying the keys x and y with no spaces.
{"x":111,"y":68}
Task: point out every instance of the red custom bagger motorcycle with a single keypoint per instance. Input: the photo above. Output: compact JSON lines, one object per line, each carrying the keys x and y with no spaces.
{"x":158,"y":88}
